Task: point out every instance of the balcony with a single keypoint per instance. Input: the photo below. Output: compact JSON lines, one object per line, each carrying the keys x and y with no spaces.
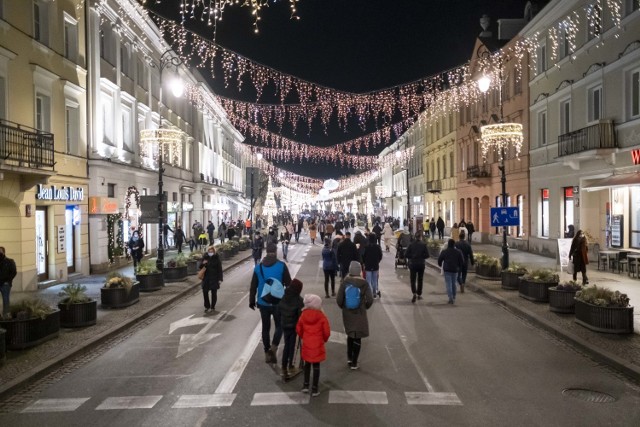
{"x":27,"y":152}
{"x":434,"y":186}
{"x":596,"y":137}
{"x":479,"y":175}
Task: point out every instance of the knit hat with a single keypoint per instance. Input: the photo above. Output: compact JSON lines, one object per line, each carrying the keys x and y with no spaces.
{"x":272,"y":248}
{"x":451,"y":243}
{"x":312,"y":301}
{"x":373,"y":239}
{"x":296,"y":286}
{"x":355,"y":269}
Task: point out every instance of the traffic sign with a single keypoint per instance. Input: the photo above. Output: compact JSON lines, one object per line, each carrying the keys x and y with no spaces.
{"x":506,"y":216}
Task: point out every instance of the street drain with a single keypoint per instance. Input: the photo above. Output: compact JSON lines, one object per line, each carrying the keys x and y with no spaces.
{"x":589,"y":395}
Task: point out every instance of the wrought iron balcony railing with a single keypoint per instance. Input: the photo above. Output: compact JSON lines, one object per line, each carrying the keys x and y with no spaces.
{"x":434,"y":186}
{"x":601,"y":135}
{"x":474,"y":172}
{"x":23,"y":146}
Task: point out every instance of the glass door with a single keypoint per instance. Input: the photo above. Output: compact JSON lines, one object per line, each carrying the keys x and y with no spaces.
{"x":70,"y":233}
{"x":41,"y":243}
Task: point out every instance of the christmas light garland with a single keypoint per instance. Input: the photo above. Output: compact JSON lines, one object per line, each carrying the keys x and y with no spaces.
{"x":115,"y":243}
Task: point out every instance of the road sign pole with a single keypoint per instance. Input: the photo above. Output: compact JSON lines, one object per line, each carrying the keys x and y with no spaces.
{"x":503,"y":181}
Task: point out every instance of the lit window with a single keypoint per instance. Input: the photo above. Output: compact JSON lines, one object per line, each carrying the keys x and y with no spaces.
{"x":70,"y":38}
{"x":544,"y":199}
{"x":72,"y":129}
{"x":541,"y":62}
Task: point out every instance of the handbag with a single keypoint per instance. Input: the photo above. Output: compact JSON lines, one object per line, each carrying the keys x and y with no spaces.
{"x":570,"y":267}
{"x":201,"y":273}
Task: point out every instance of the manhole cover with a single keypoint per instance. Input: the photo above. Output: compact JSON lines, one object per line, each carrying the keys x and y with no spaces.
{"x":589,"y":395}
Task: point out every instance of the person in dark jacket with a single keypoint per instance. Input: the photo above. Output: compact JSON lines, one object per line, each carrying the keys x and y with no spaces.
{"x":579,"y":253}
{"x":289,"y":308}
{"x":416,"y":254}
{"x":371,"y":259}
{"x":179,"y":238}
{"x":299,"y":228}
{"x":451,"y":261}
{"x":377,"y":230}
{"x":361,"y":242}
{"x":471,"y":229}
{"x":136,"y":245}
{"x":467,"y":254}
{"x":347,"y":252}
{"x":284,"y":240}
{"x":212,"y":278}
{"x":222,"y":231}
{"x":210,"y":229}
{"x":329,"y":266}
{"x":432,"y":228}
{"x":165,"y":234}
{"x":356,"y":324}
{"x":256,"y":248}
{"x":440,"y":227}
{"x":8,"y":272}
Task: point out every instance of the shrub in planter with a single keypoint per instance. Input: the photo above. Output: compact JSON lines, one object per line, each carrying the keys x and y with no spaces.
{"x":234,"y":247}
{"x":149,"y":277}
{"x":76,"y":308}
{"x":511,"y":276}
{"x":245,"y":243}
{"x":434,"y":247}
{"x":535,"y":285}
{"x":561,"y":297}
{"x":29,"y":323}
{"x":176,"y":269}
{"x":603,"y":310}
{"x":119,"y":291}
{"x":487,"y":266}
{"x":193,"y":262}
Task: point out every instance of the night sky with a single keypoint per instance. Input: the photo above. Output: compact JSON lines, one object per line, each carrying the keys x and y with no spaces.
{"x":351,"y":45}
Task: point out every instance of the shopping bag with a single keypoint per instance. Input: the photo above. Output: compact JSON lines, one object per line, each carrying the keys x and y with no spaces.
{"x":570,"y":267}
{"x":201,"y":273}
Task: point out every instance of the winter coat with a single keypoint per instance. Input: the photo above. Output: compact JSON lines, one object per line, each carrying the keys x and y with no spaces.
{"x":213,"y":272}
{"x":450,"y":260}
{"x":388,"y":231}
{"x":347,"y":252}
{"x":329,"y":229}
{"x":372,"y":257}
{"x":256,"y":248}
{"x":440,"y":224}
{"x":470,"y":227}
{"x":377,"y":230}
{"x":417,"y":253}
{"x":329,"y":260}
{"x":432,"y":226}
{"x":290,"y":307}
{"x":356,"y":324}
{"x":579,"y":251}
{"x":257,"y":280}
{"x":455,"y":233}
{"x":313,"y":328}
{"x":136,"y":247}
{"x":312,"y":231}
{"x":179,"y":237}
{"x":467,"y":252}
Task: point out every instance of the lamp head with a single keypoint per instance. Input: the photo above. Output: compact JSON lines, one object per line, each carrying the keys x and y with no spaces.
{"x":483,"y":83}
{"x":259,"y":156}
{"x":177,"y":87}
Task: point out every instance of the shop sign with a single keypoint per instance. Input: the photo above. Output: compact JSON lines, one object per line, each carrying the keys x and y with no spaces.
{"x":207,"y":206}
{"x":635,"y":157}
{"x":103,"y":205}
{"x":61,"y":239}
{"x":67,"y":194}
{"x":187,"y":206}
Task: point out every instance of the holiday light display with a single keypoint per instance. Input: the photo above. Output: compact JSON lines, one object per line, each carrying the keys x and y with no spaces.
{"x":501,"y":136}
{"x":170,"y":139}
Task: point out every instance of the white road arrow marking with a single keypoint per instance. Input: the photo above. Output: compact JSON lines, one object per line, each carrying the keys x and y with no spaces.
{"x":188,"y":321}
{"x":190,"y":341}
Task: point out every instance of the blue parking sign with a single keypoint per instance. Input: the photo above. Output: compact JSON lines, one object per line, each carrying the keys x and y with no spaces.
{"x":506,"y":216}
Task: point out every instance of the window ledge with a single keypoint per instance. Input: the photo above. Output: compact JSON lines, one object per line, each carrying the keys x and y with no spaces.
{"x":43,"y":48}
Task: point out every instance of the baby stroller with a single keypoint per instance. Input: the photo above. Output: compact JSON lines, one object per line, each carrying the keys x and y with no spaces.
{"x":401,"y":250}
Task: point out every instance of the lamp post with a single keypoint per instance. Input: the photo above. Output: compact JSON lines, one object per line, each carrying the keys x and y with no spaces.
{"x":259,"y":157}
{"x":499,"y":136}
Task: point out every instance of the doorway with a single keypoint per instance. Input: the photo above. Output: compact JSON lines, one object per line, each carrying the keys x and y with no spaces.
{"x":70,"y":236}
{"x":42,"y":266}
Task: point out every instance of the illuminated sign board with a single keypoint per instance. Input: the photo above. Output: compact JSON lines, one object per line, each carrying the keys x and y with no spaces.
{"x":103,"y":205}
{"x":66,"y":194}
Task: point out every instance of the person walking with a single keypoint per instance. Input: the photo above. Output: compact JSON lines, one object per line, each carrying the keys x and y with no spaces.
{"x":329,"y":229}
{"x":371,"y":259}
{"x":256,"y":248}
{"x":377,"y":230}
{"x":347,"y":252}
{"x":440,"y":227}
{"x":450,"y":260}
{"x":579,"y":253}
{"x":270,"y":267}
{"x":455,"y":232}
{"x":212,"y":278}
{"x":8,"y":272}
{"x":322,"y":228}
{"x":314,"y":331}
{"x":432,"y":228}
{"x":136,"y":245}
{"x":313,"y":232}
{"x":285,"y":237}
{"x":467,"y":254}
{"x":329,"y":266}
{"x":165,"y":234}
{"x":299,"y":228}
{"x":416,"y":254}
{"x":356,"y":324}
{"x":388,"y":236}
{"x":179,"y":238}
{"x":471,"y":229}
{"x":210,"y":230}
{"x":222,"y":231}
{"x":290,"y":307}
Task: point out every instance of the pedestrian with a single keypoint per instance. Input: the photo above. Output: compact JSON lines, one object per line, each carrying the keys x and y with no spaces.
{"x":471,"y":229}
{"x":467,"y":254}
{"x":425,"y":227}
{"x":256,"y":248}
{"x":212,"y":278}
{"x":440,"y":227}
{"x":222,"y":231}
{"x":314,"y":331}
{"x":356,"y":324}
{"x":290,"y":307}
{"x":299,"y":228}
{"x":165,"y":234}
{"x":455,"y":232}
{"x":388,"y":236}
{"x":371,"y":259}
{"x":347,"y":252}
{"x":313,"y":232}
{"x":579,"y":253}
{"x":7,"y":274}
{"x":231,"y":231}
{"x":136,"y":245}
{"x":270,"y":268}
{"x":322,"y":227}
{"x":179,"y":238}
{"x":571,"y":233}
{"x":450,"y":260}
{"x":377,"y":230}
{"x":432,"y":227}
{"x":210,"y":229}
{"x":416,"y":255}
{"x":202,"y":240}
{"x":285,"y":237}
{"x":329,"y":267}
{"x":329,"y":229}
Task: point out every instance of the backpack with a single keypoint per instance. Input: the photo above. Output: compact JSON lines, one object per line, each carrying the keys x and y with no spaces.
{"x":273,"y":289}
{"x":351,"y":297}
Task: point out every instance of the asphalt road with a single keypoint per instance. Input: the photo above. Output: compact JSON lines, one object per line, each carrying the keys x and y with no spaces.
{"x":427,"y":363}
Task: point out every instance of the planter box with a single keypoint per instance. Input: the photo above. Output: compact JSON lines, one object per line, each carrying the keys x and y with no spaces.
{"x":562,"y":301}
{"x":434,"y":253}
{"x":78,"y":315}
{"x":510,"y":280}
{"x":27,"y":333}
{"x":3,"y":346}
{"x":150,"y":282}
{"x":613,"y":320}
{"x":490,"y":272}
{"x":535,"y":291}
{"x":175,"y":274}
{"x":119,"y":297}
{"x":192,"y":267}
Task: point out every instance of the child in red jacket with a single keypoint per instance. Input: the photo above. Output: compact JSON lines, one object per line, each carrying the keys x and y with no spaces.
{"x":313,"y":328}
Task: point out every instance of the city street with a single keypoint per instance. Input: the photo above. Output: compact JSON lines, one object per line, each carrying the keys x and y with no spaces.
{"x":431,"y":363}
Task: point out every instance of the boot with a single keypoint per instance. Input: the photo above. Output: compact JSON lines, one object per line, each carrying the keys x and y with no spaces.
{"x":462,"y":288}
{"x":284,"y":373}
{"x":274,"y":354}
{"x":267,"y":356}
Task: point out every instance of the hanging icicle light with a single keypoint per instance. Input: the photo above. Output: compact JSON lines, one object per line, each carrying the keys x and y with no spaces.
{"x":501,"y":136}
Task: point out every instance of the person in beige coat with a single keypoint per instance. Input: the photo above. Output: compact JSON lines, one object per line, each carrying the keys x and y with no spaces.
{"x":389,"y":237}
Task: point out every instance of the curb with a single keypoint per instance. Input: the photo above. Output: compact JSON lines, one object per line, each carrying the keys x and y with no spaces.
{"x":47,"y":367}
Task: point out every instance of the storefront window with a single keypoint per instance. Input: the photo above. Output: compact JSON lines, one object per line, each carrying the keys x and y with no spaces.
{"x":635,"y":217}
{"x":519,"y":228}
{"x":544,"y":196}
{"x":568,"y":207}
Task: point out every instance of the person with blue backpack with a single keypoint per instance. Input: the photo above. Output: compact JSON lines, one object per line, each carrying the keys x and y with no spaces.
{"x":270,"y":278}
{"x":354,"y":298}
{"x":329,"y":266}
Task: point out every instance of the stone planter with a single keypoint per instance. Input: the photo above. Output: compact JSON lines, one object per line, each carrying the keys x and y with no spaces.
{"x":562,"y":301}
{"x":27,"y":333}
{"x":175,"y":274}
{"x":434,"y":252}
{"x":192,"y":267}
{"x":510,"y":280}
{"x":535,"y":291}
{"x":612,"y":320}
{"x":79,"y":314}
{"x":119,"y":297}
{"x":150,"y":282}
{"x":3,"y":346}
{"x":489,"y":272}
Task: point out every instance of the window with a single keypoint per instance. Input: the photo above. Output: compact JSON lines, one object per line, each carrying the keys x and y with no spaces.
{"x":634,"y":93}
{"x":3,"y":98}
{"x":127,"y":140}
{"x":107,"y":120}
{"x":125,"y":66}
{"x":107,"y":43}
{"x":564,"y":48}
{"x":542,"y":128}
{"x":635,"y":218}
{"x":565,"y":117}
{"x":519,"y":228}
{"x":595,"y":104}
{"x":631,"y":6}
{"x":541,"y":61}
{"x":1,"y":9}
{"x":43,"y":113}
{"x":40,"y":22}
{"x":444,"y":167}
{"x":568,"y":207}
{"x":72,"y":129}
{"x":141,"y":71}
{"x":452,"y":166}
{"x":70,"y":38}
{"x":544,"y":220}
{"x":111,"y":190}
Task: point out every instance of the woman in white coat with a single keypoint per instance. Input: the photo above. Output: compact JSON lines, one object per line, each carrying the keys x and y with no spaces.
{"x":388,"y":235}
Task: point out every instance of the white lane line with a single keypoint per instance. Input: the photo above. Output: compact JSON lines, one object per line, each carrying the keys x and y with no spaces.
{"x":338,"y":337}
{"x":418,"y":398}
{"x":358,"y":397}
{"x":293,"y":398}
{"x":204,"y":400}
{"x":55,"y":405}
{"x":232,"y":377}
{"x":129,"y":402}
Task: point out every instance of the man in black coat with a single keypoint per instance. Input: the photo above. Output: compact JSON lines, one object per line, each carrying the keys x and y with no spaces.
{"x":451,"y":261}
{"x":210,"y":229}
{"x":467,"y":254}
{"x":440,"y":227}
{"x":417,"y":254}
{"x":8,"y":272}
{"x":347,"y":252}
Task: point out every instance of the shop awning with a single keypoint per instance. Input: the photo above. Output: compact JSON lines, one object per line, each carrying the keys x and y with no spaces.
{"x":622,"y":180}
{"x":241,"y":203}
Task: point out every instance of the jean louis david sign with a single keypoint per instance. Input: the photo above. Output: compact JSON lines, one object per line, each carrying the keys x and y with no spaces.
{"x":65,"y":194}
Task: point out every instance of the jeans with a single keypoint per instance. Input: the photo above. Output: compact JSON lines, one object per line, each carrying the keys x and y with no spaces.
{"x":450,"y":281}
{"x":462,"y":274}
{"x":266,"y":312}
{"x":285,"y":250}
{"x":329,"y":274}
{"x":5,"y":290}
{"x":416,"y":272}
{"x":289,"y":347}
{"x":372,"y":280}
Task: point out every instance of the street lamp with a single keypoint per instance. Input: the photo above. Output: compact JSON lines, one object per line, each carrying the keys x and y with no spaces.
{"x":259,"y":157}
{"x":499,"y":136}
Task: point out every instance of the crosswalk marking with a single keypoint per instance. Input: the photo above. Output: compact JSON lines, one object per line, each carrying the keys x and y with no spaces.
{"x":358,"y":397}
{"x":204,"y":400}
{"x":55,"y":405}
{"x":419,"y":398}
{"x":293,"y":398}
{"x":129,"y":402}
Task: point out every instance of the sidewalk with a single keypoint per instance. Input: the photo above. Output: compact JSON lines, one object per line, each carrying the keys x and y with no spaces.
{"x":22,"y":367}
{"x":620,"y":351}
